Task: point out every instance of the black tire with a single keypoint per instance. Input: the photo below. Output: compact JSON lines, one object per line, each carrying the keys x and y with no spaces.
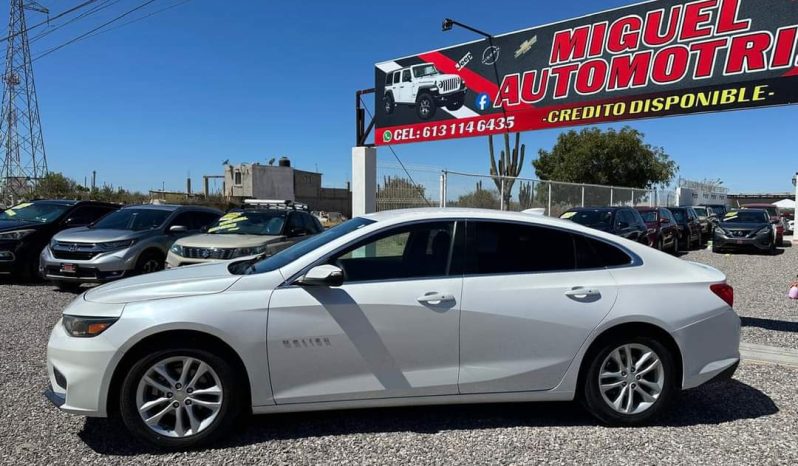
{"x":660,"y":244}
{"x":389,"y":103}
{"x":455,"y":105}
{"x":699,"y":242}
{"x":715,"y":249}
{"x":228,"y":413}
{"x":68,"y":287}
{"x":592,"y":396}
{"x":675,"y":247}
{"x":149,"y":261}
{"x":425,"y":106}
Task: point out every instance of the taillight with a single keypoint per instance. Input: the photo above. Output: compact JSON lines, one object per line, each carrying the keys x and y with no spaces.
{"x":724,"y":292}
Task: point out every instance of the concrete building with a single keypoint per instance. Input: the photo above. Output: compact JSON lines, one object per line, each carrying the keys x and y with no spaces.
{"x":256,"y":181}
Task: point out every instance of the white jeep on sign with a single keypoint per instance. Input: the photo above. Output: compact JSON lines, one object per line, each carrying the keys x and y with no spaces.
{"x":425,"y":88}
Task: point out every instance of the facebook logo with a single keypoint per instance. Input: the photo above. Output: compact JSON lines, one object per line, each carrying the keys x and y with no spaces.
{"x":483,"y":101}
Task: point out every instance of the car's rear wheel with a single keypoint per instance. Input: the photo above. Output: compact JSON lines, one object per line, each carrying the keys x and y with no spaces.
{"x":180,"y":398}
{"x":425,"y":106}
{"x":629,"y":381}
{"x":149,"y":262}
{"x":660,"y":244}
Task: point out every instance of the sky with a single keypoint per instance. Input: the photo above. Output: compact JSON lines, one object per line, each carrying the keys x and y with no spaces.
{"x":176,"y":94}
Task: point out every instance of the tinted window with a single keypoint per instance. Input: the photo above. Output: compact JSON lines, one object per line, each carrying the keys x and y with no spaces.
{"x":701,"y":211}
{"x":396,"y":78}
{"x":39,"y":212}
{"x":185,"y":219}
{"x":599,"y":218}
{"x":133,"y":219}
{"x":411,"y":251}
{"x":624,"y":219}
{"x":649,"y":216}
{"x":406,"y":76}
{"x":312,"y":226}
{"x":594,"y":254}
{"x":679,"y":215}
{"x":86,"y":214}
{"x":498,"y":248}
{"x":295,"y":224}
{"x":205,"y":219}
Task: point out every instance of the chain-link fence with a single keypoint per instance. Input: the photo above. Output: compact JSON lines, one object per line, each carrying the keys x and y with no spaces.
{"x":405,"y":187}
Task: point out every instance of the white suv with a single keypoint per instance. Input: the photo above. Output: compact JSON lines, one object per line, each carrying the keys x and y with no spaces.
{"x":425,"y":88}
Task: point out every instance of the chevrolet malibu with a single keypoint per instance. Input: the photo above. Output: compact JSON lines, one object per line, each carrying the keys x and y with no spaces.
{"x":398,"y":308}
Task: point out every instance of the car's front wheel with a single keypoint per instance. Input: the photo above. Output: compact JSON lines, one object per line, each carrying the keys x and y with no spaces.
{"x":425,"y":106}
{"x":629,"y":381}
{"x":180,"y":398}
{"x":389,"y":103}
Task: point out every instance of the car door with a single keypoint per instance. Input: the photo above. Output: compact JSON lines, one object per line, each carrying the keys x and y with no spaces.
{"x":667,"y":226}
{"x":531,"y":297}
{"x":391,"y":330}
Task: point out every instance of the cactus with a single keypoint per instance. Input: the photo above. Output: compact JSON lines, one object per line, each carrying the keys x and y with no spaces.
{"x":525,"y":195}
{"x":509,"y":166}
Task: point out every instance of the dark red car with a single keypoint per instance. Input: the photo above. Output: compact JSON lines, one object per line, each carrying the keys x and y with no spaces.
{"x":663,"y":230}
{"x":775,"y":218}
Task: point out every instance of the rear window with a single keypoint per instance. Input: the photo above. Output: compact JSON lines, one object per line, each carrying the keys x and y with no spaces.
{"x":649,"y":216}
{"x":599,"y":218}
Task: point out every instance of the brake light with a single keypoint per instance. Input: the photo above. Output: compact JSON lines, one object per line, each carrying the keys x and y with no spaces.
{"x":725,"y":292}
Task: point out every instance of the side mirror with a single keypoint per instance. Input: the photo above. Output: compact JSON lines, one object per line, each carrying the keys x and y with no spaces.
{"x":177,"y":229}
{"x":323,"y":275}
{"x":664,"y":221}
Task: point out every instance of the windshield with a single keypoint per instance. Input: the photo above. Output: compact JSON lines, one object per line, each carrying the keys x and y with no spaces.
{"x":679,"y":215}
{"x":263,"y":222}
{"x":701,"y":211}
{"x":747,"y":216}
{"x":133,"y":219}
{"x":38,"y":212}
{"x":772,"y":211}
{"x":649,"y":216}
{"x":425,"y":70}
{"x":290,"y":254}
{"x":590,"y":218}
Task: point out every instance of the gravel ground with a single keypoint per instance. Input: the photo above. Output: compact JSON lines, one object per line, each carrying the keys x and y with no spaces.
{"x":760,"y":426}
{"x":760,"y":292}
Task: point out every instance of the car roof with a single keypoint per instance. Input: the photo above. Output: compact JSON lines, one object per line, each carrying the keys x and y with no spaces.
{"x":170,"y":207}
{"x":67,"y":202}
{"x":592,"y":209}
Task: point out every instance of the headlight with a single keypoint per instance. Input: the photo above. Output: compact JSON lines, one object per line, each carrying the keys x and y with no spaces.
{"x":240,"y":252}
{"x":86,"y":327}
{"x":764,"y":231}
{"x":16,"y":234}
{"x":115,"y":245}
{"x":177,"y":249}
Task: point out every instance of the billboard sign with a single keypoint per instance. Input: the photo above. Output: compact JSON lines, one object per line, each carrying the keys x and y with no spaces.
{"x":653,"y":59}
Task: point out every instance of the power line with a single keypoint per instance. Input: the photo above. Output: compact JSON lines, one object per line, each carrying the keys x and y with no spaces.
{"x":72,"y":41}
{"x":83,"y":15}
{"x":64,"y":13}
{"x":120,"y":26}
{"x":390,"y":147}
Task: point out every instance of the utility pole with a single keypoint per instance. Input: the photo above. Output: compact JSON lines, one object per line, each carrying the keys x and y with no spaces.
{"x":24,"y":161}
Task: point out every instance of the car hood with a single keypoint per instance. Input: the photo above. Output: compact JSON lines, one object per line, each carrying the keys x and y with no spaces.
{"x":6,"y":225}
{"x":174,"y":283}
{"x":228,"y":241}
{"x":97,"y":235}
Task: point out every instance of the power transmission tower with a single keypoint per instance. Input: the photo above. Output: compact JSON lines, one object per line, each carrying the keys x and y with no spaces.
{"x":24,"y":161}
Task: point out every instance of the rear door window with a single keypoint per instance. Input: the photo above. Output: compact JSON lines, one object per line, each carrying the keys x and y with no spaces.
{"x":511,"y":248}
{"x":596,"y":254}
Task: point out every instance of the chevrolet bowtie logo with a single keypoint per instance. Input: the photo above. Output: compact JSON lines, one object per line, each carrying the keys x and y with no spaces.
{"x":526,"y":46}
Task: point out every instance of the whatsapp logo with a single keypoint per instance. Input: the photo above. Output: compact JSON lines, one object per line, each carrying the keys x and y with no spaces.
{"x":387,"y":136}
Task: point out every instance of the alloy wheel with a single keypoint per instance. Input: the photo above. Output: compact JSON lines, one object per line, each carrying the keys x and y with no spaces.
{"x":631,"y":378}
{"x":179,"y":397}
{"x":151,"y":265}
{"x":425,"y":107}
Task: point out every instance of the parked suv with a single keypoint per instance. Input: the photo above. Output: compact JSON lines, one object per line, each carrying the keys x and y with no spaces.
{"x":705,"y":215}
{"x":245,"y":232}
{"x":625,"y":222}
{"x":662,"y":228}
{"x":132,"y":240}
{"x":690,"y":234}
{"x":26,"y":228}
{"x":425,"y":88}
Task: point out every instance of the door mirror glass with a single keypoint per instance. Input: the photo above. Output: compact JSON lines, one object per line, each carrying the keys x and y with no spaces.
{"x":323,"y":275}
{"x":178,"y":229}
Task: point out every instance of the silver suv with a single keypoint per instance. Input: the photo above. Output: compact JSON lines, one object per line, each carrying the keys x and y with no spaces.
{"x":132,"y":240}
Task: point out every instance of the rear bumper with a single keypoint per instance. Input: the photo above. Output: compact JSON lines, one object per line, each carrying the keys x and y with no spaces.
{"x":710,"y":348}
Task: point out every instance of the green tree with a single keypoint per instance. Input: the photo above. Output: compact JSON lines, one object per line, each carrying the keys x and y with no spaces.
{"x":400,"y":193}
{"x":56,"y":186}
{"x":479,"y":199}
{"x":615,"y":158}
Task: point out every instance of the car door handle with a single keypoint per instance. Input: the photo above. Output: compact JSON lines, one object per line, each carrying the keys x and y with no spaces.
{"x":435,"y":298}
{"x":583,"y":293}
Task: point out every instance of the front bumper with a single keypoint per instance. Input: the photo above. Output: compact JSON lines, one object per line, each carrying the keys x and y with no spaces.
{"x":761,"y":242}
{"x":710,"y":347}
{"x":79,"y":372}
{"x":100,"y":269}
{"x":443,"y":99}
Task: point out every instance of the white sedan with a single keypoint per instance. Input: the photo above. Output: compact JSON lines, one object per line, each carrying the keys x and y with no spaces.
{"x":428,"y":306}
